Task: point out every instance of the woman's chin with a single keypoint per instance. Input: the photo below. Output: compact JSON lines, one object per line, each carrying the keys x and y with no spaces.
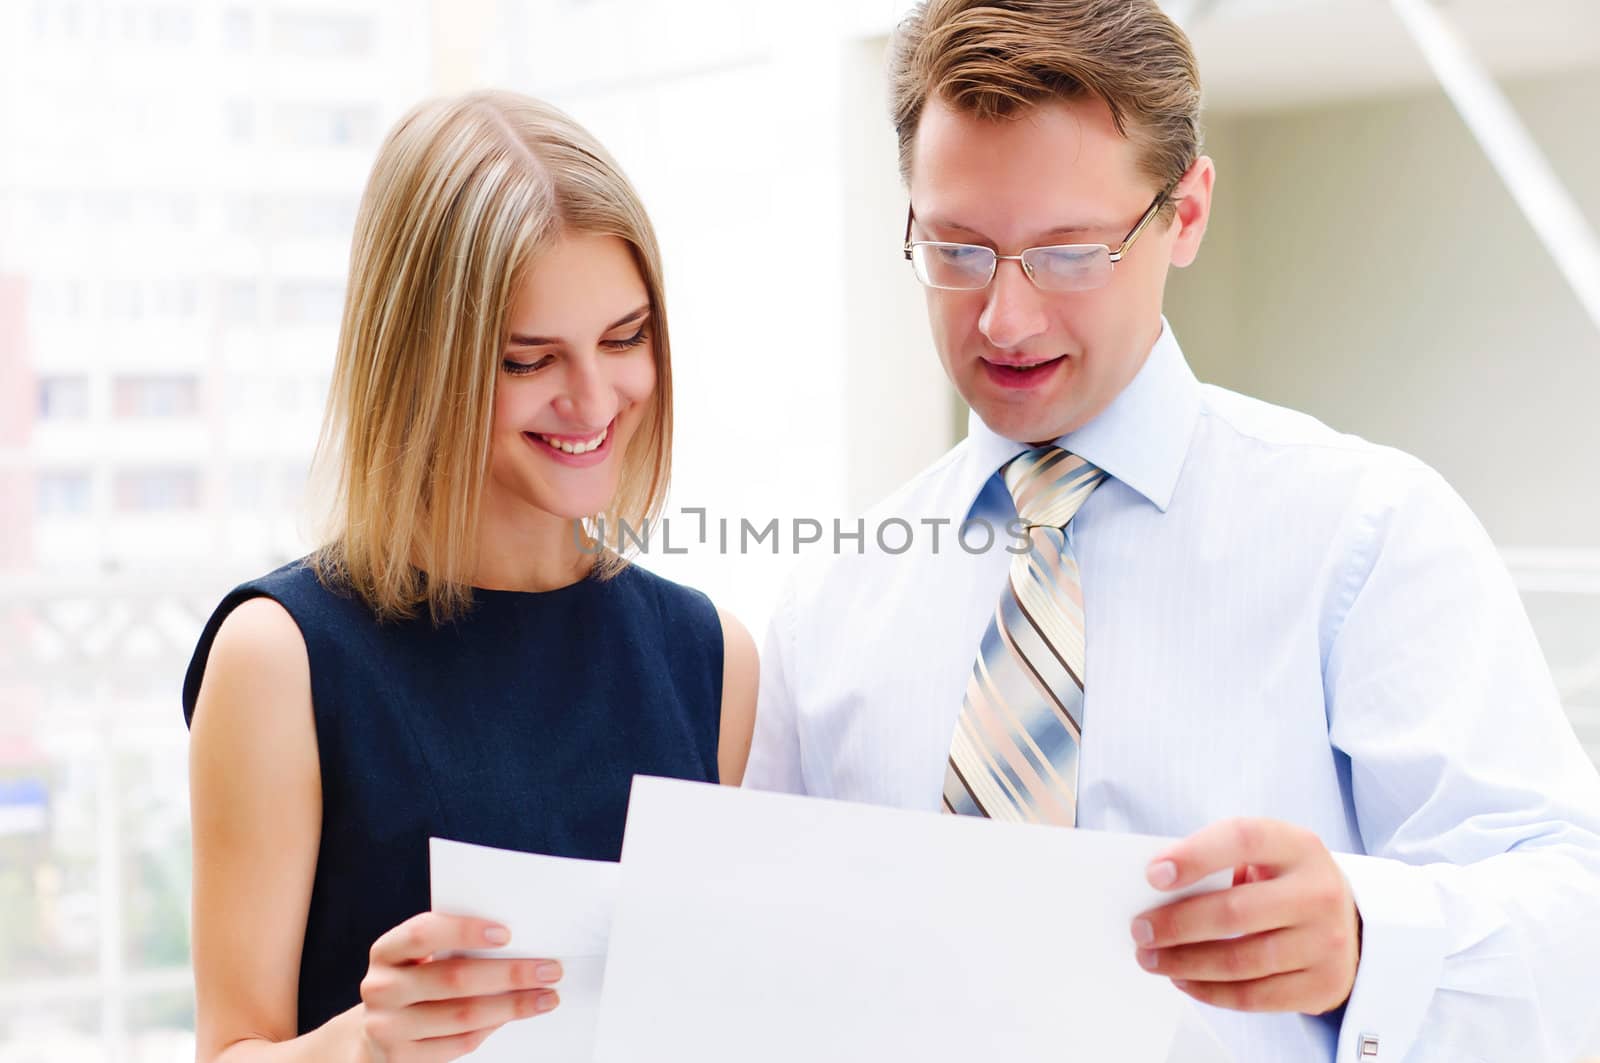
{"x":570,"y":509}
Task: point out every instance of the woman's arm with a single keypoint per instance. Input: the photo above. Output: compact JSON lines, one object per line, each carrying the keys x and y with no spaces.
{"x":256,"y":805}
{"x":255,"y":797}
{"x":741,"y":672}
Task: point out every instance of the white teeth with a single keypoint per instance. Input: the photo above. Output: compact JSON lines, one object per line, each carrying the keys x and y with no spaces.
{"x":567,"y":447}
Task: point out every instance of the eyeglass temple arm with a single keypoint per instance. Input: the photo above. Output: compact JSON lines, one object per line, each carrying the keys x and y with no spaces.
{"x":1149,"y":216}
{"x":906,"y":244}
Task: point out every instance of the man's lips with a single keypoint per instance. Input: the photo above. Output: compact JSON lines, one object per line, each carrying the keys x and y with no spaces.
{"x":1012,"y":363}
{"x":1021,"y":376}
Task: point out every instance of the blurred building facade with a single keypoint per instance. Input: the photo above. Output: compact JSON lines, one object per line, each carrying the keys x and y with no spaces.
{"x":177,"y":189}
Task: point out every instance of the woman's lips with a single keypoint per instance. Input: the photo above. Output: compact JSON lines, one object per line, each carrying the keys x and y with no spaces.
{"x":582,"y":452}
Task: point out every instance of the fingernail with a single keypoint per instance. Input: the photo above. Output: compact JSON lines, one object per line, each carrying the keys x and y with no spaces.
{"x":547,"y":1002}
{"x":548,"y":972}
{"x":496,"y":935}
{"x":1143,"y":932}
{"x":1162,"y":874}
{"x":1147,"y":959}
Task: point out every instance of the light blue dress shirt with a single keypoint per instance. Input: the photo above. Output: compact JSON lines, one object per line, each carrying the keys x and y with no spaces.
{"x":1281,"y":621}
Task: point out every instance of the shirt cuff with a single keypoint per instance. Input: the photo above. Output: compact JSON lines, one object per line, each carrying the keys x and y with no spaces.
{"x":1403,"y":946}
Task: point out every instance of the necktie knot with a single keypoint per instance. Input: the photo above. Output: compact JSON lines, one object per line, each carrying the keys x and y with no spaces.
{"x":1048,"y":485}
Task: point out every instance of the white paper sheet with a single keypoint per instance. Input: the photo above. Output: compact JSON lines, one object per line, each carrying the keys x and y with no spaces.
{"x":555,"y":909}
{"x":767,"y":927}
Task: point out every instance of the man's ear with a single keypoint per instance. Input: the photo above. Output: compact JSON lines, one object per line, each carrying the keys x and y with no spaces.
{"x":1192,"y":198}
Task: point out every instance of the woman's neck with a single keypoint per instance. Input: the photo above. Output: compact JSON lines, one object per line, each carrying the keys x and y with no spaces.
{"x":527,"y":550}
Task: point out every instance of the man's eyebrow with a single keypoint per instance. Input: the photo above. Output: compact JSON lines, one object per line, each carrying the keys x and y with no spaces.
{"x":1068,"y":230}
{"x":518,"y":340}
{"x":1039,"y":240}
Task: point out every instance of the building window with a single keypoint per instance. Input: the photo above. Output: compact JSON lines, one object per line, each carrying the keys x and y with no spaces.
{"x":247,"y":487}
{"x":63,"y":492}
{"x":122,"y":300}
{"x":332,"y":217}
{"x":312,"y":33}
{"x":176,"y":299}
{"x":171,"y":24}
{"x":157,"y":490}
{"x":243,"y":214}
{"x":310,"y":126}
{"x":54,"y":207}
{"x":309,"y":302}
{"x":241,"y":303}
{"x":167,"y":395}
{"x":239,"y":118}
{"x":63,"y":397}
{"x":177,"y":209}
{"x":238,"y":29}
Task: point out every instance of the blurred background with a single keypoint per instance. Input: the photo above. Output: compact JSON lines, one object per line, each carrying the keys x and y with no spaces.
{"x":1403,"y":246}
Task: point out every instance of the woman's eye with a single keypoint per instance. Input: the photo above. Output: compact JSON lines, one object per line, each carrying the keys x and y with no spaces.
{"x":516,"y":368}
{"x":630,"y":342}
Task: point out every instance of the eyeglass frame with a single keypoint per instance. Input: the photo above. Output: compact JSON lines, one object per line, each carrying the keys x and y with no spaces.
{"x":1115,"y":256}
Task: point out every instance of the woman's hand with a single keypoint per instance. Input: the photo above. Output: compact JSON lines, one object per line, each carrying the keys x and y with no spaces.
{"x":421,"y":1010}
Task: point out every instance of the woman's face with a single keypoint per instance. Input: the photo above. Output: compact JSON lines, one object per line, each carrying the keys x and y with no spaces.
{"x":576,"y":375}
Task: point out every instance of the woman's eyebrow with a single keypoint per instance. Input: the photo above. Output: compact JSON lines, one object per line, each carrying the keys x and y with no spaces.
{"x":518,"y":340}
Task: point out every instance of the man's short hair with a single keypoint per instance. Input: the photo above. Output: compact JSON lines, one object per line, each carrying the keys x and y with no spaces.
{"x":996,"y":58}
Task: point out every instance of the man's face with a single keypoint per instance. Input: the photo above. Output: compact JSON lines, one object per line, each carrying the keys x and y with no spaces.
{"x":1036,"y":364}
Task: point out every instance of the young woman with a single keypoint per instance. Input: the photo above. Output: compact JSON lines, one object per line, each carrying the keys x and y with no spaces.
{"x":457,"y":659}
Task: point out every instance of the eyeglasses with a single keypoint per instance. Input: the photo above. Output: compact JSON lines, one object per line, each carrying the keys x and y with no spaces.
{"x":1057,"y":268}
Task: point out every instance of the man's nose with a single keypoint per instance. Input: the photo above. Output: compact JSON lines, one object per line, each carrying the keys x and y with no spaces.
{"x":1014,"y":312}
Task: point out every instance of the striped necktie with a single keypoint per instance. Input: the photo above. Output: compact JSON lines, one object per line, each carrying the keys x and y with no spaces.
{"x":1015,"y":751}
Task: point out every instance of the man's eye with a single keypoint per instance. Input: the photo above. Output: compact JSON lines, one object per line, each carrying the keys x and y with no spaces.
{"x":1068,"y":261}
{"x":963,"y":255}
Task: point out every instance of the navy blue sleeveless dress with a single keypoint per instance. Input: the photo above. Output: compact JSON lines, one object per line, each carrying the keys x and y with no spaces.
{"x":520,"y":725}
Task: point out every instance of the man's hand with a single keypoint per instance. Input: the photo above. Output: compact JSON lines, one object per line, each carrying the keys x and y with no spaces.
{"x":1285,"y":936}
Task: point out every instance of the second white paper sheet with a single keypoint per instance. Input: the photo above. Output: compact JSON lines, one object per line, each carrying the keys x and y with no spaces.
{"x":753,"y":926}
{"x":555,"y":908}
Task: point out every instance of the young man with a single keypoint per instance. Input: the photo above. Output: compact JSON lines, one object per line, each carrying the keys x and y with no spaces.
{"x":1217,"y":620}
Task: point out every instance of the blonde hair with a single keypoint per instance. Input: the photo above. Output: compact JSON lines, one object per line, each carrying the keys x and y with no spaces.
{"x":996,"y":58}
{"x":465,"y":193}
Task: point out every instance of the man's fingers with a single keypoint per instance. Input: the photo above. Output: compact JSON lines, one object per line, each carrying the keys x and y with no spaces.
{"x":1253,"y":908}
{"x":450,"y":979}
{"x":1243,"y":959}
{"x":1228,"y":843}
{"x":1302,"y":991}
{"x":429,"y":932}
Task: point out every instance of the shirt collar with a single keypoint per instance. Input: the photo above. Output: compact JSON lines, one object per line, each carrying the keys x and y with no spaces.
{"x":1140,"y":439}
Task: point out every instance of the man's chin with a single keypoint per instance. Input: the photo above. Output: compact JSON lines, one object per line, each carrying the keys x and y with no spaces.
{"x":1022,"y":426}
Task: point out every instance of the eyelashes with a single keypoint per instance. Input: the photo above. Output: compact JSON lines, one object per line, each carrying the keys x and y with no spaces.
{"x":638,"y":339}
{"x":516,"y":368}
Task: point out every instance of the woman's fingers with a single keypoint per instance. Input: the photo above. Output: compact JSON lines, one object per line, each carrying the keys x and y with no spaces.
{"x":454,"y":978}
{"x":435,"y":1019}
{"x":445,"y":1049}
{"x":428,"y":933}
{"x":425,"y":1009}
